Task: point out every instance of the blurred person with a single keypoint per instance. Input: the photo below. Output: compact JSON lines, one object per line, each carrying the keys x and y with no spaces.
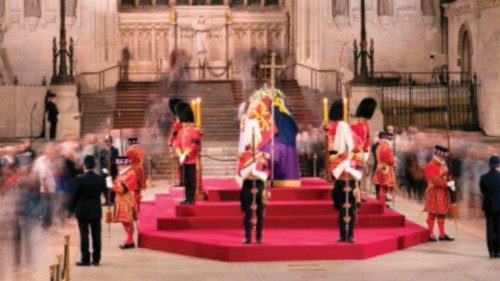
{"x":437,"y":194}
{"x":174,"y":131}
{"x":27,"y":149}
{"x":90,"y":147}
{"x":107,"y":157}
{"x":125,"y":209}
{"x":490,"y":189}
{"x":86,"y":205}
{"x":66,"y":180}
{"x":44,"y":169}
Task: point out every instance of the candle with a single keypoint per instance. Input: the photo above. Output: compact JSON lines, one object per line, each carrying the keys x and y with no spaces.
{"x":193,"y":107}
{"x":198,"y":108}
{"x":325,"y":111}
{"x":345,"y":109}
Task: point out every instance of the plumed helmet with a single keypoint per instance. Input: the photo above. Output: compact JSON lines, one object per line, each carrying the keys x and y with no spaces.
{"x":184,"y":112}
{"x":172,"y":103}
{"x":336,"y":111}
{"x":366,"y":108}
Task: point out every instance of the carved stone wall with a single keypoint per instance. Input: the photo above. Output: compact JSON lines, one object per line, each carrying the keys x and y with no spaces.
{"x":480,"y":18}
{"x":404,"y":37}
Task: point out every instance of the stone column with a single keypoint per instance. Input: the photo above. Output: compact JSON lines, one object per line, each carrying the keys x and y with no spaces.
{"x":69,"y":114}
{"x":358,"y":93}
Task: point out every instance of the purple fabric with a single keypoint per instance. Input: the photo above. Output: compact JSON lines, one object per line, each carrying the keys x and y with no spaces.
{"x":286,"y":161}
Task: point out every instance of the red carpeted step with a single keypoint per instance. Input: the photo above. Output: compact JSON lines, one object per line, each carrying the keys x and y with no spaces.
{"x":279,"y":208}
{"x":314,"y":193}
{"x":299,"y":226}
{"x":284,"y":244}
{"x":317,"y":221}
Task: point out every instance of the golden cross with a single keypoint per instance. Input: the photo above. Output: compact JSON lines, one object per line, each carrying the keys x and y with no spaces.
{"x":273,"y":66}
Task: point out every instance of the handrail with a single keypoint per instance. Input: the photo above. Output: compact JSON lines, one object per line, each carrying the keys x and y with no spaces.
{"x":313,"y":83}
{"x":101,"y":76}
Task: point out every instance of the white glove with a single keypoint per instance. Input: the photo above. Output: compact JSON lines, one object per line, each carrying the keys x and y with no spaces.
{"x":366,"y":156}
{"x":451,"y":185}
{"x":109,"y":182}
{"x":245,"y":173}
{"x":182,"y":158}
{"x":105,"y":171}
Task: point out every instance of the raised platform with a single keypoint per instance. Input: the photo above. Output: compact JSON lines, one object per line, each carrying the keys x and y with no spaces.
{"x":300,"y":224}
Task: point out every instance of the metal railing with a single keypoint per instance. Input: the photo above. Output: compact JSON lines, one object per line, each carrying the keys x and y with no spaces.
{"x":96,"y":81}
{"x":314,"y":83}
{"x":410,"y":103}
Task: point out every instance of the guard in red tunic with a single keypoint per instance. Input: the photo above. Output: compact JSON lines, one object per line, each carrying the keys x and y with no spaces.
{"x":187,"y":146}
{"x":125,"y":186}
{"x":174,"y":131}
{"x":361,"y":128}
{"x":384,"y":176}
{"x":437,"y":199}
{"x":253,"y":171}
{"x":136,"y":156}
{"x":345,"y":171}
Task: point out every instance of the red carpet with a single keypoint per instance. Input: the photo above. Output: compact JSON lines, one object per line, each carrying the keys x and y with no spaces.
{"x":300,"y":224}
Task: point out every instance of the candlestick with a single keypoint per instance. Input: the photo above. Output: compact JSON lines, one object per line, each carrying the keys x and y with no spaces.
{"x":198,"y":108}
{"x":325,"y":111}
{"x":345,"y":109}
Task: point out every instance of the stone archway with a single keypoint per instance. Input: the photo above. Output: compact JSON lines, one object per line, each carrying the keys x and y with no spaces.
{"x":465,"y":52}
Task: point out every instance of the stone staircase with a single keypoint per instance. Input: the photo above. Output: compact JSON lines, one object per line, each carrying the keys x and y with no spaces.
{"x":220,"y":100}
{"x":96,"y":109}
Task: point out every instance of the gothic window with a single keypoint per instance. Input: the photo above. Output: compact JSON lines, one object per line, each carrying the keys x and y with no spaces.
{"x":161,"y":2}
{"x":127,"y":2}
{"x":236,"y":2}
{"x":182,"y":2}
{"x":384,"y":7}
{"x":145,"y":2}
{"x":253,"y":2}
{"x":465,"y":53}
{"x":199,"y":2}
{"x":428,"y":8}
{"x":32,"y":8}
{"x":272,"y":2}
{"x":2,"y":8}
{"x":339,"y":7}
{"x":217,"y":2}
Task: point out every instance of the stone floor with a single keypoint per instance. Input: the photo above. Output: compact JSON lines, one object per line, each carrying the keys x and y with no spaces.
{"x":464,"y":259}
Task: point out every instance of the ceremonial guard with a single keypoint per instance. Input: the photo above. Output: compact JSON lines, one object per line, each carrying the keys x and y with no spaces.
{"x":174,"y":131}
{"x":125,"y":187}
{"x":187,"y":146}
{"x":253,"y":171}
{"x":384,"y":176}
{"x":136,"y":156}
{"x":361,"y":128}
{"x":437,"y":197}
{"x":345,"y":171}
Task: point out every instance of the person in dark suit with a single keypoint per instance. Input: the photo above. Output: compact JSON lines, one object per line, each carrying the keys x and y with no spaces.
{"x":490,"y":188}
{"x":86,"y":205}
{"x":52,"y":115}
{"x":108,"y":166}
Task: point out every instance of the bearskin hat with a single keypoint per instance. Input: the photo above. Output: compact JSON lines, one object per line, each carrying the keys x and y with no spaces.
{"x":366,"y":108}
{"x":184,"y":112}
{"x":172,"y":103}
{"x":336,"y":111}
